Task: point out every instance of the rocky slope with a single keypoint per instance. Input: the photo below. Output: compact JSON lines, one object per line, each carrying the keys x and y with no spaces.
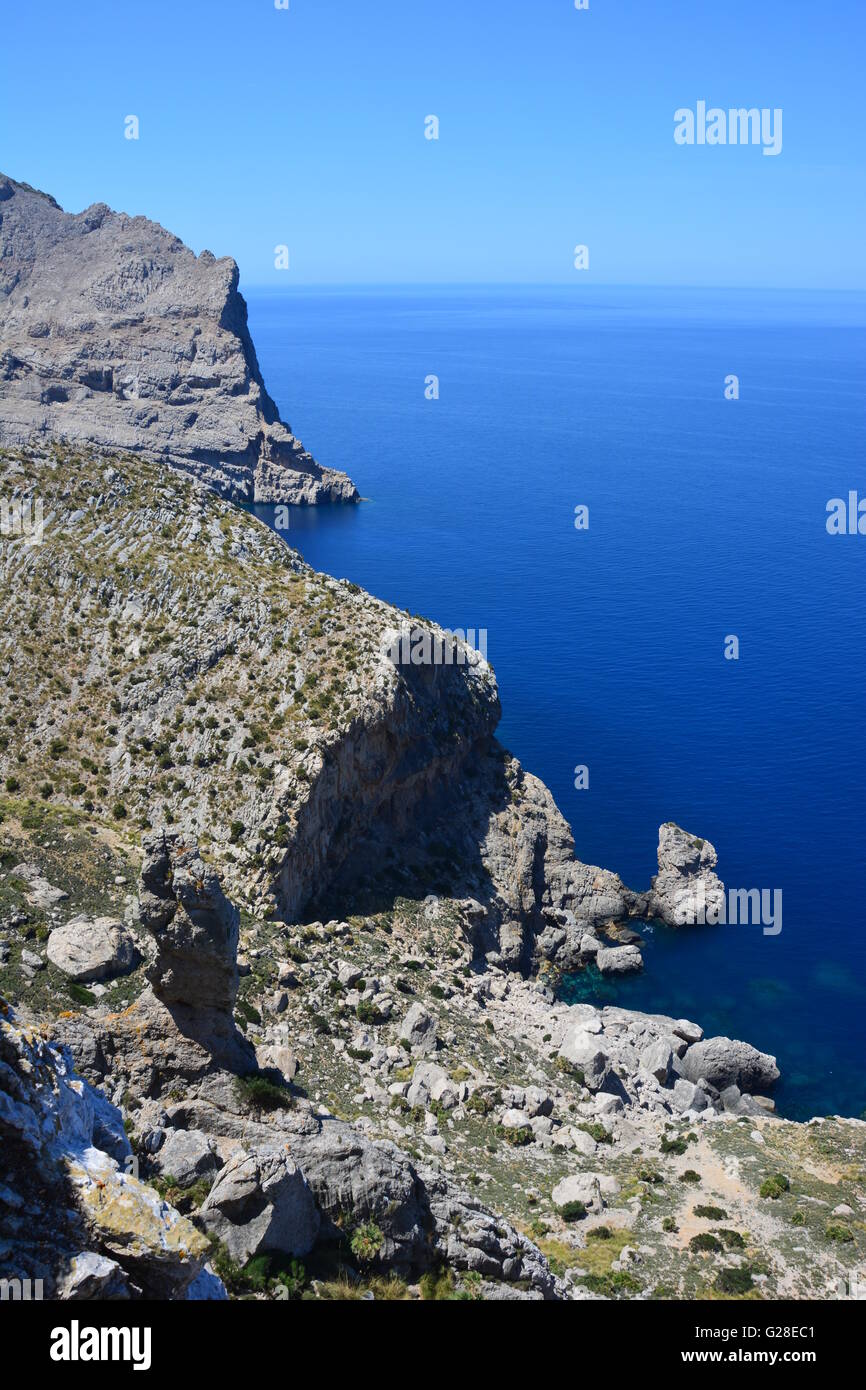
{"x":207,"y":747}
{"x":114,"y":333}
{"x":168,"y":660}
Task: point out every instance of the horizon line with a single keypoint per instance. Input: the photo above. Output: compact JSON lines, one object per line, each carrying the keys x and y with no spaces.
{"x":542,"y":284}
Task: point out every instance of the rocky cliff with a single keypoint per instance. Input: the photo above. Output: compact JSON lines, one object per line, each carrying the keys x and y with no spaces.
{"x":213,"y":681}
{"x":208,"y":747}
{"x":112,"y":332}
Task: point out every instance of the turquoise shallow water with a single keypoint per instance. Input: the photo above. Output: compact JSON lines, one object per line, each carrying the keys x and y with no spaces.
{"x":707,"y":518}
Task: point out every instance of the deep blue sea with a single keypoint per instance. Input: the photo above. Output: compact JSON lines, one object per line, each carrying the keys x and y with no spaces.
{"x":706,"y":519}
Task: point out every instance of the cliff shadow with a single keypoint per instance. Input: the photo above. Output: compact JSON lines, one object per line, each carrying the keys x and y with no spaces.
{"x":441,"y":854}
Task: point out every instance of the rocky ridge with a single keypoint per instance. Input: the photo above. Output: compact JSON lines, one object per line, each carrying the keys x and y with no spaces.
{"x":115,"y":334}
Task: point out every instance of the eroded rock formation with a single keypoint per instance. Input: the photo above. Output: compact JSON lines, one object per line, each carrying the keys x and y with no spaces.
{"x":114,"y":333}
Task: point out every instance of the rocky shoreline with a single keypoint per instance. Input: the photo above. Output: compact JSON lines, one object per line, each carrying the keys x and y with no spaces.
{"x":282,"y":925}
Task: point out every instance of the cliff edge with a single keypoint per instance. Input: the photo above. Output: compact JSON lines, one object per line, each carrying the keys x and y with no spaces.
{"x":114,"y":333}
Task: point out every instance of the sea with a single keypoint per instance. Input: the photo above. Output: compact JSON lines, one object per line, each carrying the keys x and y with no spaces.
{"x":624,"y":492}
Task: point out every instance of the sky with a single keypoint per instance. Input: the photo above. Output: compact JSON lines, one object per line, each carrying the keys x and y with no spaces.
{"x":304,"y":127}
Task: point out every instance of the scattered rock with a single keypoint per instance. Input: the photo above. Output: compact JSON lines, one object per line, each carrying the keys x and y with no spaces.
{"x":91,"y":948}
{"x":260,"y":1202}
{"x":418,"y":1029}
{"x":619,"y":960}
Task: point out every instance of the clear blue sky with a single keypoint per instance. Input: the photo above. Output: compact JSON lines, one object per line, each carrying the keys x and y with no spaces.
{"x":262,"y":127}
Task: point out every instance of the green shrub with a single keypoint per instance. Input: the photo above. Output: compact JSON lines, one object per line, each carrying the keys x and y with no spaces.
{"x":366,"y":1242}
{"x":610,"y":1285}
{"x":480,"y":1103}
{"x":596,"y":1131}
{"x":690,"y":1176}
{"x":669,"y":1224}
{"x":775,"y":1187}
{"x":437,"y":1286}
{"x":517,"y":1138}
{"x":711,"y":1213}
{"x":735,"y":1281}
{"x":732,"y":1239}
{"x":79,"y":993}
{"x":263,"y":1094}
{"x":676,"y":1145}
{"x":705,"y":1242}
{"x":367,"y":1012}
{"x":576,"y":1074}
{"x":837,"y":1231}
{"x":599,"y":1233}
{"x":572,"y":1211}
{"x":647,"y":1173}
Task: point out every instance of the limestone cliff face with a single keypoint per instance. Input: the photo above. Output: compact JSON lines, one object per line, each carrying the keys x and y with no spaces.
{"x":112,"y":332}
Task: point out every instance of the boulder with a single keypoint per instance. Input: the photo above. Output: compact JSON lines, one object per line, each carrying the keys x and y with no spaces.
{"x":657,"y":1059}
{"x":687,"y":1096}
{"x":261,"y":1202}
{"x":588,"y":1188}
{"x":536,"y":1101}
{"x":514,"y":1119}
{"x":418,"y":1029}
{"x":444,"y":1093}
{"x":582,"y":1142}
{"x":91,"y":948}
{"x":619,"y":960}
{"x":186,"y":1155}
{"x":425,"y":1078}
{"x":424,"y":1217}
{"x":91,"y":1276}
{"x":278,"y":1057}
{"x":726,"y":1062}
{"x":582,"y":1050}
{"x":689,"y":1032}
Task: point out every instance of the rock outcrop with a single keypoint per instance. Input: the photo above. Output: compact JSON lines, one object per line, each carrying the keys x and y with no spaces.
{"x":725,"y":1062}
{"x":192,"y":923}
{"x":686,"y":891}
{"x":113,"y":333}
{"x":260,"y":1203}
{"x":71,"y":1213}
{"x":182,"y":1025}
{"x":630,"y":1054}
